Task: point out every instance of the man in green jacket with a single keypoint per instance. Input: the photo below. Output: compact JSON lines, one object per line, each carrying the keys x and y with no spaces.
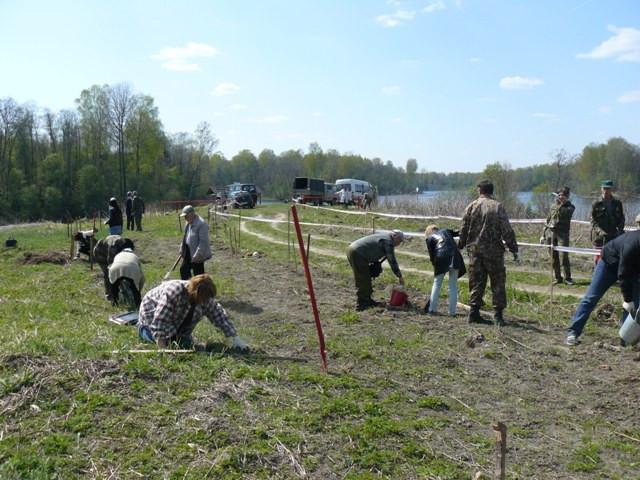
{"x":607,"y":216}
{"x":370,"y":249}
{"x":556,"y":232}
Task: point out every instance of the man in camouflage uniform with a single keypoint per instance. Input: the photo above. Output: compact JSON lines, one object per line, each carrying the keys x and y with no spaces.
{"x":607,"y":216}
{"x":556,"y":232}
{"x":484,"y":226}
{"x":369,"y":249}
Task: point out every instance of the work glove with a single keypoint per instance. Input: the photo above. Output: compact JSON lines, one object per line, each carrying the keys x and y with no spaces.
{"x":401,"y":281}
{"x":516,"y":258}
{"x":630,"y":307}
{"x":239,"y":343}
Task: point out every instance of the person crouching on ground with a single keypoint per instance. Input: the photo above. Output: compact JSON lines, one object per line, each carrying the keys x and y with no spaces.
{"x":620,"y":261}
{"x":127,"y":279}
{"x":195,"y":246}
{"x":104,"y":252}
{"x":170,"y":312}
{"x":445,"y":257}
{"x":370,"y":249}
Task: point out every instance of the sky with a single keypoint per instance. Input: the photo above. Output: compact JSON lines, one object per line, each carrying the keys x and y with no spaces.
{"x":454,"y":84}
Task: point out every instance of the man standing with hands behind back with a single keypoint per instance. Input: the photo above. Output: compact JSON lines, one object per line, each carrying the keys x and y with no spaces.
{"x":607,"y":216}
{"x":484,"y":226}
{"x":195,"y":246}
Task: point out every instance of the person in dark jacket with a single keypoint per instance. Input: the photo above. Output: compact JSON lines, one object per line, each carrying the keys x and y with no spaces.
{"x":128,"y":208}
{"x":367,"y":250}
{"x":445,"y":258}
{"x":607,"y":216}
{"x":620,"y":261}
{"x":137,"y":204}
{"x":115,"y":217}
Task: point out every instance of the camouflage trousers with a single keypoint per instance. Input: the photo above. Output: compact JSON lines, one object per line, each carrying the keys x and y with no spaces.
{"x":481,"y":267}
{"x":562,"y":239}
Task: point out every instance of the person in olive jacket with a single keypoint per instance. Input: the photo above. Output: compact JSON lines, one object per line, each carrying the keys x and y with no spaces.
{"x":556,"y":232}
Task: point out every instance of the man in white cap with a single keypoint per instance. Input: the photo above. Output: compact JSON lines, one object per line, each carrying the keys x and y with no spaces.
{"x":195,"y":246}
{"x":369,"y":251}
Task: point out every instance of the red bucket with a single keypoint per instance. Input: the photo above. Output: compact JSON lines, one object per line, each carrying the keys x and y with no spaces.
{"x":398,"y":298}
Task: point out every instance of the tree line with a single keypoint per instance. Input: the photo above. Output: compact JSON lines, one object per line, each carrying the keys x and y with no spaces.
{"x":66,"y":164}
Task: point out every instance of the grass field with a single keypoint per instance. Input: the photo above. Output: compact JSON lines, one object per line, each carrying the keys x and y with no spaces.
{"x":406,"y":395}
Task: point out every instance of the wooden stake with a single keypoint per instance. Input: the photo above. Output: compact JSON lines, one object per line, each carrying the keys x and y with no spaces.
{"x":180,"y":223}
{"x":308,"y":244}
{"x":500,"y":430}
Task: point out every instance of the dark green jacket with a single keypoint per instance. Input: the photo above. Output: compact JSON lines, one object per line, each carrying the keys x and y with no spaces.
{"x":607,"y":218}
{"x":374,"y":247}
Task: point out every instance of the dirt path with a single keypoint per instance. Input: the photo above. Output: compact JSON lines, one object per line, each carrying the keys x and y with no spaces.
{"x":428,"y":273}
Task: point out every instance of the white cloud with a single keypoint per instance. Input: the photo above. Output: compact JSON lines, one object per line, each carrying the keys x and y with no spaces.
{"x":391,"y":90}
{"x":271,"y":119}
{"x":475,"y":60}
{"x":318,"y":114}
{"x":181,"y":58}
{"x":226,"y":88}
{"x":395,"y":3}
{"x":624,"y":46}
{"x":238,"y":106}
{"x":605,"y":109}
{"x":629,"y":97}
{"x":519,"y":83}
{"x":545,"y":116}
{"x":434,"y":6}
{"x":396,"y":120}
{"x":395,"y":19}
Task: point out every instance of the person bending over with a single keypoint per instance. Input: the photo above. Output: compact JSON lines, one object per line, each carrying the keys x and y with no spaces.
{"x":170,"y":312}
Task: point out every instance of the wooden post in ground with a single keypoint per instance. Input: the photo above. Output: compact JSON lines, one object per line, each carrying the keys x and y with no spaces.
{"x":308,"y":244}
{"x":180,"y":223}
{"x":73,"y":246}
{"x":91,"y":244}
{"x":373,"y":224}
{"x":500,"y":430}
{"x":551,"y":289}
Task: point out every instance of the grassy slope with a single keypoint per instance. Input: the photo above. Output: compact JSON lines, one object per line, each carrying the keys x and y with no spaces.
{"x":406,"y":397}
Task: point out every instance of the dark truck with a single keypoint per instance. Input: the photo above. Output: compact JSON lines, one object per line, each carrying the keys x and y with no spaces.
{"x":308,"y":190}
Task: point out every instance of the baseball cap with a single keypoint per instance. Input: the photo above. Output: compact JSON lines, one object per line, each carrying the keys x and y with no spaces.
{"x":186,"y":210}
{"x":398,"y":233}
{"x":606,"y":184}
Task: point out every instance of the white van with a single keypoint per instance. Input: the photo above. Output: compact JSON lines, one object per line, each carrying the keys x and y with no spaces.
{"x":356,"y":187}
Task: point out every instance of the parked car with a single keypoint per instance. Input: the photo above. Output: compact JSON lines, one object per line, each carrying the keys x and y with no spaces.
{"x":235,"y":188}
{"x":357,"y":189}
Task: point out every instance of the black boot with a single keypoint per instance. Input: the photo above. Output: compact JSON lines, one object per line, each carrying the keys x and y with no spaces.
{"x":475,"y":317}
{"x":499,"y":318}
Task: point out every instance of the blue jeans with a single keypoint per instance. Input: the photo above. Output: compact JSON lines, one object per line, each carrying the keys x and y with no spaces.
{"x":117,"y":230}
{"x":144,"y":333}
{"x":603,"y":277}
{"x":453,"y":291}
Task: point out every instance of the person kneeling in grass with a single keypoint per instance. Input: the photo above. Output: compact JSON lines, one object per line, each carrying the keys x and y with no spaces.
{"x":170,"y":312}
{"x":446,"y":258}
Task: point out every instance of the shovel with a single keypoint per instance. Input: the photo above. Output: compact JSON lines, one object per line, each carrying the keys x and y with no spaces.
{"x":173,"y":267}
